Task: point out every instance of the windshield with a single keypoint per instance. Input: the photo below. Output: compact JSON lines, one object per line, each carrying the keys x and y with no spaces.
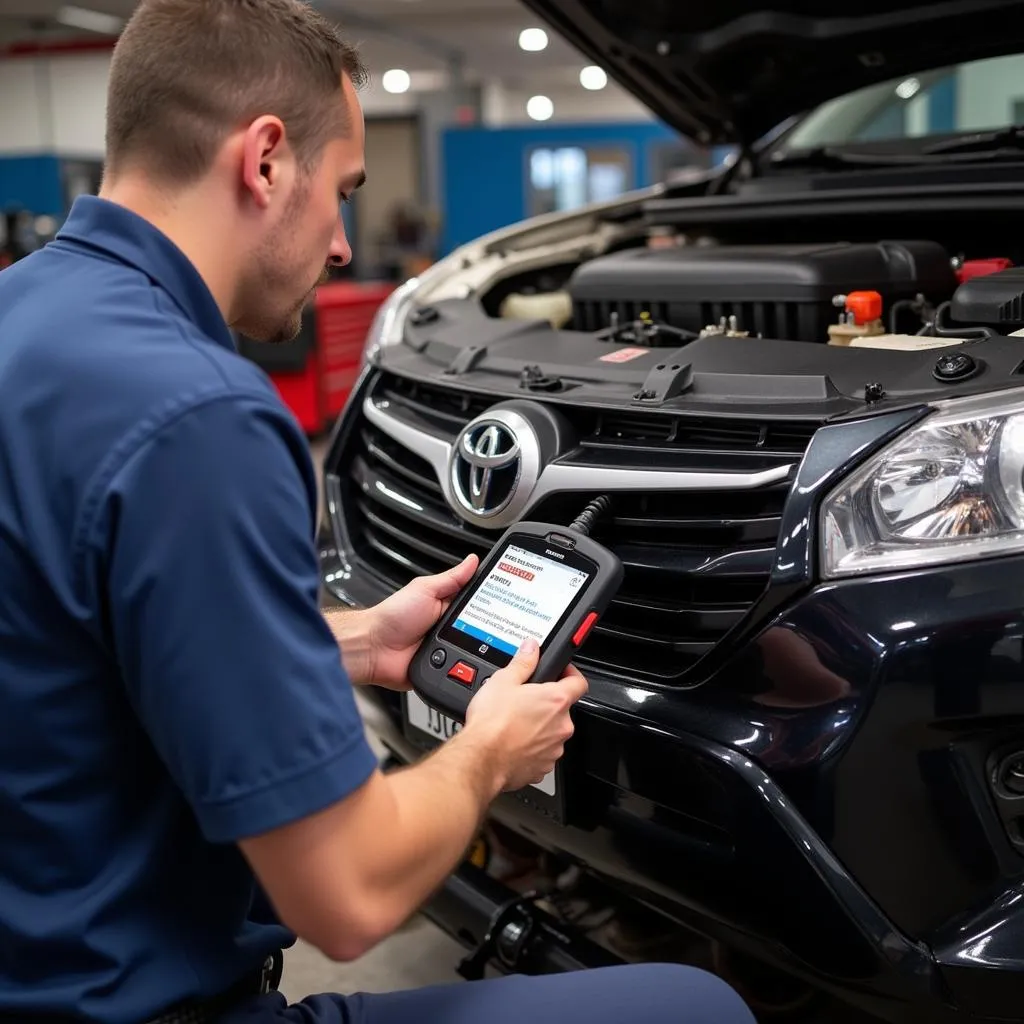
{"x":975,"y":96}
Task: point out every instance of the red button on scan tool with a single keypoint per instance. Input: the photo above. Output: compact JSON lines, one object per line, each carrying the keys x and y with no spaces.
{"x":585,"y":626}
{"x":463,"y":673}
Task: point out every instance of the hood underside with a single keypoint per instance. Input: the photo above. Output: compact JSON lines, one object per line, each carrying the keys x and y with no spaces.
{"x":730,"y":71}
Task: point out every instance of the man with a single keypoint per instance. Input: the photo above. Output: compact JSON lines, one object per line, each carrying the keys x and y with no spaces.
{"x":179,"y":738}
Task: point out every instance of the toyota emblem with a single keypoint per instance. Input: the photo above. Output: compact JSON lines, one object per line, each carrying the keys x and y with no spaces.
{"x":486,"y":466}
{"x":494,"y":466}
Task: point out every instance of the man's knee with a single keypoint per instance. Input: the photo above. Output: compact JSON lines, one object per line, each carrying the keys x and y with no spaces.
{"x":687,"y":995}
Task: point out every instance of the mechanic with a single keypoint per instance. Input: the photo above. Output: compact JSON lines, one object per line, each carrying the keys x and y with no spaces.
{"x":185,"y":784}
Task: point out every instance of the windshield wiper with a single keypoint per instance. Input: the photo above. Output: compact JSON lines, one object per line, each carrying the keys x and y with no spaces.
{"x":1011,"y":138}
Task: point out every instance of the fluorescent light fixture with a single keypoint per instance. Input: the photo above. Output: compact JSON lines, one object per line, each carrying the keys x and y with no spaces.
{"x":396,"y":80}
{"x":91,"y":21}
{"x":908,"y":88}
{"x":593,"y":78}
{"x":540,"y":108}
{"x":533,"y":40}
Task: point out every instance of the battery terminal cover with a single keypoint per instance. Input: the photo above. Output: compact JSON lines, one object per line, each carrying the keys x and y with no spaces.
{"x":861,"y":317}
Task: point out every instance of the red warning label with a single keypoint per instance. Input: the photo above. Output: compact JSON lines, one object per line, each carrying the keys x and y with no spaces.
{"x":514,"y":570}
{"x":624,"y":355}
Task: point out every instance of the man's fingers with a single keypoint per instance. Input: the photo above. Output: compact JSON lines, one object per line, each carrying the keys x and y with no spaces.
{"x":574,"y":685}
{"x":523,"y":663}
{"x":447,"y":584}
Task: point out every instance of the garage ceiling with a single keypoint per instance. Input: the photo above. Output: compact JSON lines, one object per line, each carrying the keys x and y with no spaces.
{"x":418,"y":35}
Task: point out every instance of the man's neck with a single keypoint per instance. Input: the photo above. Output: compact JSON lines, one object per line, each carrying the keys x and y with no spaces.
{"x":188,"y":222}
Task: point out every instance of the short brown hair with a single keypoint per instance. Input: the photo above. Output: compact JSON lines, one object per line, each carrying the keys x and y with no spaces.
{"x":186,"y":72}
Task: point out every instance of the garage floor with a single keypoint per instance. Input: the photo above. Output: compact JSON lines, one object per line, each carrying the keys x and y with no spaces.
{"x":418,"y":955}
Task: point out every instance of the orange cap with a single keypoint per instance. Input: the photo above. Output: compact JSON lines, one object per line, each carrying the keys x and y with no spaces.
{"x":865,"y":306}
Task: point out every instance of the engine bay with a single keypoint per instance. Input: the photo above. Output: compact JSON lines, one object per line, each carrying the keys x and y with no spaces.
{"x":669,"y":291}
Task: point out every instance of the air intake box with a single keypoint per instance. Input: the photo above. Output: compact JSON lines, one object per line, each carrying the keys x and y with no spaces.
{"x":778,"y":291}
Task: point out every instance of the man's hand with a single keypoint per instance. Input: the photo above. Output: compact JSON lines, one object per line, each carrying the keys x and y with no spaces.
{"x":347,"y":877}
{"x":398,"y":624}
{"x":524,"y":726}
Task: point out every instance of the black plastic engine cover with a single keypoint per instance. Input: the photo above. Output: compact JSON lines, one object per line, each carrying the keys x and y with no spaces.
{"x":777,"y":291}
{"x":996,"y":300}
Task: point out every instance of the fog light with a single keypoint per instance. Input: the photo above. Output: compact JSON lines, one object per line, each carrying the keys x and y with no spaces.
{"x":1011,"y":775}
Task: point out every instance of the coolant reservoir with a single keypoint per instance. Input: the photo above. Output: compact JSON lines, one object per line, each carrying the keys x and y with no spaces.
{"x":555,"y":307}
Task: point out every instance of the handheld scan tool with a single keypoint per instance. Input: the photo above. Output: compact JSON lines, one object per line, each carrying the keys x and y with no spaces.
{"x":540,"y":580}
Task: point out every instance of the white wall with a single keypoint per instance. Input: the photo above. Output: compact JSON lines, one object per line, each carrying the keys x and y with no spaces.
{"x":23,"y":129}
{"x":79,"y":103}
{"x":987,"y":93}
{"x":53,"y":104}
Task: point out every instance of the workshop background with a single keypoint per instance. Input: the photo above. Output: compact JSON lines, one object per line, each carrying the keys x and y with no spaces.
{"x":476,"y":118}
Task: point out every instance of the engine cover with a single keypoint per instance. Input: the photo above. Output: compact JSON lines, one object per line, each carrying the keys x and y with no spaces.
{"x":776,"y":291}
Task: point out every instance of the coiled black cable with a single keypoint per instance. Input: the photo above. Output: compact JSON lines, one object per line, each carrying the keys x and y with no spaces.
{"x":585,"y":521}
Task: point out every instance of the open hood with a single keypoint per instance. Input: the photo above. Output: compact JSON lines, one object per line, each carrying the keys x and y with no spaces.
{"x":729,"y":71}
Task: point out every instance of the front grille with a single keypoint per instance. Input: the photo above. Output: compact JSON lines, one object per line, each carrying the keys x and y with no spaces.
{"x":449,"y":409}
{"x":695,"y":562}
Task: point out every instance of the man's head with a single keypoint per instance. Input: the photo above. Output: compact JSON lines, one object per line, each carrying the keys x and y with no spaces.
{"x":250,"y":104}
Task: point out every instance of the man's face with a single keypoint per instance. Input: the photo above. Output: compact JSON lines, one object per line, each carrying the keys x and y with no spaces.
{"x":306,"y":236}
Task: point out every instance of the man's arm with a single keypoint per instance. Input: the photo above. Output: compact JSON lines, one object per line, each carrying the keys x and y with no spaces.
{"x":199,"y":554}
{"x":348,"y":877}
{"x":351,"y":629}
{"x":378,"y":644}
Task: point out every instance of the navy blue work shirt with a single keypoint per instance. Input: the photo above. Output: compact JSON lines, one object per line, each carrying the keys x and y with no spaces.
{"x":168,"y":685}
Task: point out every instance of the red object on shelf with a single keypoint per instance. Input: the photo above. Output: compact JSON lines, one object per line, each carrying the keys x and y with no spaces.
{"x":981,"y":268}
{"x":314,"y":375}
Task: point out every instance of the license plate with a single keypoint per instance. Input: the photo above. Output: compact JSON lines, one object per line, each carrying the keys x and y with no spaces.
{"x":423,"y":717}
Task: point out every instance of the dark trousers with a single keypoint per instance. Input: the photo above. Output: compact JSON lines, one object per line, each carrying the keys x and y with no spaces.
{"x":645,"y":994}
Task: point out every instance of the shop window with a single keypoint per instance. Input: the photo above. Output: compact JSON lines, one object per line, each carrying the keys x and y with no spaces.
{"x":566,"y":177}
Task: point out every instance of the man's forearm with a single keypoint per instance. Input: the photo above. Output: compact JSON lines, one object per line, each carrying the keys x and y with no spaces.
{"x":351,"y":629}
{"x":436,"y":809}
{"x":346,"y":878}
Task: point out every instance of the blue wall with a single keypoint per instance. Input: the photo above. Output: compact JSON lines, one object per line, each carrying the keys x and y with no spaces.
{"x":485,"y":169}
{"x":942,"y":98}
{"x":32,"y":183}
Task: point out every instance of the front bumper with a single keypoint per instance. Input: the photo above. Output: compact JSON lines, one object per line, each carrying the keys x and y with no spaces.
{"x":856,"y":841}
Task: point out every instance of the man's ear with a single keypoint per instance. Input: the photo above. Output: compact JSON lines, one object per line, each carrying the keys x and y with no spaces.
{"x":265,"y":158}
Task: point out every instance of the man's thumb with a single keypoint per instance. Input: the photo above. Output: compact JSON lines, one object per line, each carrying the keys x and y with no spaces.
{"x":522,"y":665}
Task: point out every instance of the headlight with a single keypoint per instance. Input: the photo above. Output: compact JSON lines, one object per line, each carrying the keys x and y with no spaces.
{"x":388,"y":324}
{"x":950,"y":490}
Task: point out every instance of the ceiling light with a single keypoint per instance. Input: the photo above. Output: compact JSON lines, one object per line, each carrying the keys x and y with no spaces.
{"x":593,"y":77}
{"x":540,"y":108}
{"x":908,"y":88}
{"x":396,"y":80}
{"x":533,"y":40}
{"x":91,"y":21}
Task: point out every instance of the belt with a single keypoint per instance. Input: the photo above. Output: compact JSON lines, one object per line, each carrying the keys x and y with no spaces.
{"x":209,"y":1011}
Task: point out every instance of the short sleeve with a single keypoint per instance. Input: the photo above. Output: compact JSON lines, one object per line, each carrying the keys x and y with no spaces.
{"x":204,"y":543}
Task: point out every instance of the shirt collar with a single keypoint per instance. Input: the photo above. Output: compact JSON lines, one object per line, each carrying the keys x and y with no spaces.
{"x":100,"y":224}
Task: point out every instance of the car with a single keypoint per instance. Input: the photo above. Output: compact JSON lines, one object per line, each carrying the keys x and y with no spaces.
{"x":799,"y":378}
